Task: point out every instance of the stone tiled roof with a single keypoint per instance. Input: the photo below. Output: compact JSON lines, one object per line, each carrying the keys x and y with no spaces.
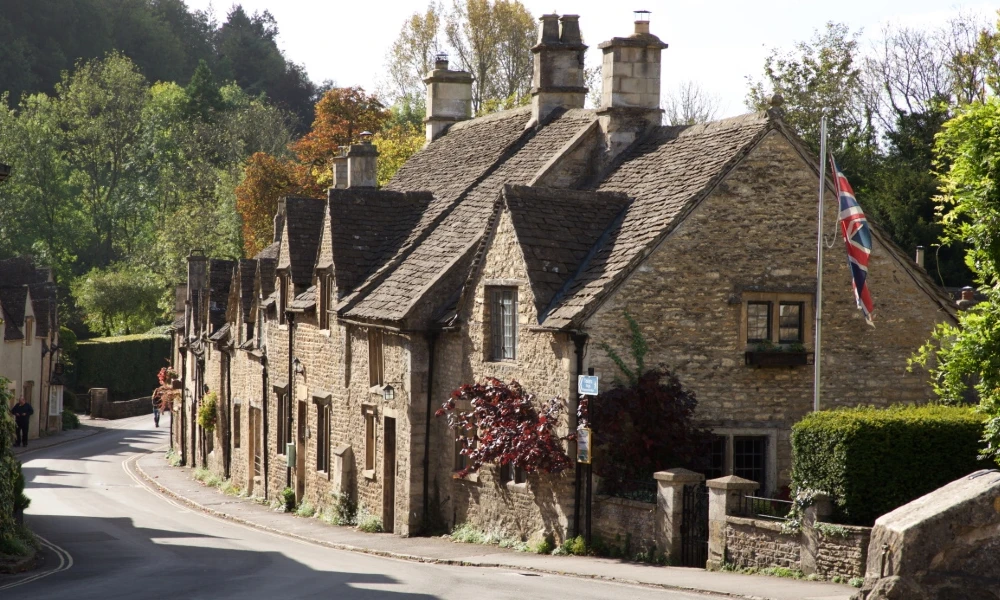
{"x":556,"y":230}
{"x":665,"y":174}
{"x":12,"y":300}
{"x":266,"y":267}
{"x":304,"y":301}
{"x":220,"y":277}
{"x":247,"y":271}
{"x":368,"y":227}
{"x":515,"y":156}
{"x":18,"y":270}
{"x":304,"y":223}
{"x":269,"y":252}
{"x":178,"y":324}
{"x":221,"y":334}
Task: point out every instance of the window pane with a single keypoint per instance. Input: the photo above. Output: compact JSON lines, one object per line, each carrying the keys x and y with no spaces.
{"x":790,"y":322}
{"x":758,"y":321}
{"x":750,"y":460}
{"x":503,"y":323}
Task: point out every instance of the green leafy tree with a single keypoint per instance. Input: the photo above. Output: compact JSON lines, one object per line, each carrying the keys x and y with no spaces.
{"x":119,"y":300}
{"x":966,"y":358}
{"x":10,"y":470}
{"x":411,"y":56}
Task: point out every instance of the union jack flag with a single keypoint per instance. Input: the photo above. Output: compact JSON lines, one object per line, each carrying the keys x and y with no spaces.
{"x":858,"y":237}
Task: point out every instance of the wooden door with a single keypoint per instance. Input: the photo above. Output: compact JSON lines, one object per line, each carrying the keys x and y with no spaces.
{"x":389,"y":475}
{"x":300,"y":453}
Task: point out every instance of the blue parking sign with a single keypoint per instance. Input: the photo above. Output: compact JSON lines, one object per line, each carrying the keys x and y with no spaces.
{"x":587,"y":385}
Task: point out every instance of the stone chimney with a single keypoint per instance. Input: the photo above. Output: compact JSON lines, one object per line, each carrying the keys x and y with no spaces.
{"x":340,"y":169}
{"x":197,"y":290}
{"x":630,"y":89}
{"x":449,"y":97}
{"x":362,"y":162}
{"x":279,"y":220}
{"x":557,"y":78}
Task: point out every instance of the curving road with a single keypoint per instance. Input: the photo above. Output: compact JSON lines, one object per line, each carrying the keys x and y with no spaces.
{"x":107,"y":536}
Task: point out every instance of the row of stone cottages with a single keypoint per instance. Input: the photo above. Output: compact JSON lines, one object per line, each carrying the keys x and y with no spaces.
{"x":30,"y":346}
{"x":510,"y":246}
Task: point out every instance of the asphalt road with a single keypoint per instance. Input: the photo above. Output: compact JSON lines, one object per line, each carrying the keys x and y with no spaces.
{"x":107,"y":536}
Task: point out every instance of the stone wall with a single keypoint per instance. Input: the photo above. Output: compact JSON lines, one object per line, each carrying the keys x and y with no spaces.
{"x":760,"y":543}
{"x":618,"y":521}
{"x":124,"y":408}
{"x":840,"y":551}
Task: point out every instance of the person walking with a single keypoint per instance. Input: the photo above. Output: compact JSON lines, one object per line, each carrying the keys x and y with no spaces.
{"x":157,"y":406}
{"x":22,"y":412}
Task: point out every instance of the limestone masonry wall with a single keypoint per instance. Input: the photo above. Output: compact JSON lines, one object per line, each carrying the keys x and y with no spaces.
{"x":760,"y":543}
{"x":618,"y":520}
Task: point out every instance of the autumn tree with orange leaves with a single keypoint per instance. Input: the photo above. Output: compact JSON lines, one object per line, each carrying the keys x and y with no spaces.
{"x":341,"y":115}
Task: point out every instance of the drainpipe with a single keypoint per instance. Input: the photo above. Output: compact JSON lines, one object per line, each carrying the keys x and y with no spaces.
{"x":290,"y":316}
{"x":579,"y":342}
{"x":227,"y":449}
{"x":431,"y":342}
{"x":180,"y":407}
{"x":266,"y":441}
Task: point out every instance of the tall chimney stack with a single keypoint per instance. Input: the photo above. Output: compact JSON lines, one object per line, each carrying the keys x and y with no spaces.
{"x":449,"y":97}
{"x":557,"y":77}
{"x":362,"y":163}
{"x":340,"y":168}
{"x":630,"y":85}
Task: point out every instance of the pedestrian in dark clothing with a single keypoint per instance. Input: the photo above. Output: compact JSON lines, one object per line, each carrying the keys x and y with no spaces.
{"x":157,"y":406}
{"x":22,"y":412}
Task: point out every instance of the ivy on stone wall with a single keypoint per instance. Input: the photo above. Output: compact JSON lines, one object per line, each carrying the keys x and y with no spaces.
{"x":9,"y":467}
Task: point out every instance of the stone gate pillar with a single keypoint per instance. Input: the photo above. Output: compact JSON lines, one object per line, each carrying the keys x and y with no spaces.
{"x":669,"y":507}
{"x":724,"y":495}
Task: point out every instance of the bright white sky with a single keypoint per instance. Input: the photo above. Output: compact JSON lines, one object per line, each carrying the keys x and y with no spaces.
{"x":716,"y":44}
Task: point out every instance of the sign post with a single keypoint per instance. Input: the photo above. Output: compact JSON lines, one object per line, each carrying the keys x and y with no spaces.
{"x":587,"y":385}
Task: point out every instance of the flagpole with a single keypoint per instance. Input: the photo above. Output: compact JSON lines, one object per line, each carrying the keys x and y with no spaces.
{"x":819,"y":266}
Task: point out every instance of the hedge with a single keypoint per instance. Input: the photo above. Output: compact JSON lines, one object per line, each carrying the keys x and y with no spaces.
{"x":127,"y":365}
{"x":873,"y":460}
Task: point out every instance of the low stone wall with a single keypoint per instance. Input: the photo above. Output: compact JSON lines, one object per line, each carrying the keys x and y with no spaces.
{"x":836,"y":550}
{"x":843,"y":551}
{"x":617,"y":518}
{"x":760,"y":543}
{"x":122,"y":409}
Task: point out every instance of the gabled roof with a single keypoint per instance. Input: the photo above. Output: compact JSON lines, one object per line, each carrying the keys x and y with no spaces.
{"x":367,"y":228}
{"x":556,"y":230}
{"x":220,"y":277}
{"x":247,"y":270}
{"x":12,"y":301}
{"x":269,"y":252}
{"x":304,"y":301}
{"x":304,"y":222}
{"x":266,"y":268}
{"x":666,"y":174}
{"x":221,"y":335}
{"x":516,"y":155}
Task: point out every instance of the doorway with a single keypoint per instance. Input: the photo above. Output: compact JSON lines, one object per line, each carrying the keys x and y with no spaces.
{"x":389,"y":475}
{"x":255,"y":454}
{"x":300,"y":453}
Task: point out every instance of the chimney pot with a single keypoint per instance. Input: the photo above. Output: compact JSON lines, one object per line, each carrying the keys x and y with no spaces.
{"x":968,"y":293}
{"x":920,"y":257}
{"x":548,"y":33}
{"x":441,"y":61}
{"x":569,"y":29}
{"x":642,"y":22}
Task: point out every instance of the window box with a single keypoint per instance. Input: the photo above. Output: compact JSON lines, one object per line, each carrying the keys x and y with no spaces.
{"x":777,"y":358}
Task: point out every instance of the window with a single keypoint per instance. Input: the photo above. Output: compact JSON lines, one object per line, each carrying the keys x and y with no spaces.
{"x":790,"y":322}
{"x":28,"y":389}
{"x":511,"y":474}
{"x":376,"y":372}
{"x":369,"y":413}
{"x":282,"y":297}
{"x":323,"y":437}
{"x":758,"y":322}
{"x":716,"y":458}
{"x":236,"y":425}
{"x":750,"y":459}
{"x":323,"y":306}
{"x":503,"y":323}
{"x":29,"y":330}
{"x":282,"y":424}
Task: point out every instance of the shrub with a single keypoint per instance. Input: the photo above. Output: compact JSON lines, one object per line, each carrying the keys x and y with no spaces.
{"x":344,"y":511}
{"x":125,"y":365}
{"x":69,"y":419}
{"x":208,"y":411}
{"x":874,"y":460}
{"x":288,"y":499}
{"x":368,"y":522}
{"x":573,"y":546}
{"x":305,"y":509}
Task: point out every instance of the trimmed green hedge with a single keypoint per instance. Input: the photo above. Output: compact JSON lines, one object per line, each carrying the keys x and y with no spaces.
{"x":873,"y":460}
{"x":127,"y":365}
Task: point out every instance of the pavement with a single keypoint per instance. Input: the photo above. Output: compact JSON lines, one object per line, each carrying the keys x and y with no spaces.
{"x":178,"y":483}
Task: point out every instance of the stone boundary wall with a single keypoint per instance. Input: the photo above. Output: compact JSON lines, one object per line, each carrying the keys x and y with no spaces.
{"x":122,"y":408}
{"x":618,"y":518}
{"x":760,"y":543}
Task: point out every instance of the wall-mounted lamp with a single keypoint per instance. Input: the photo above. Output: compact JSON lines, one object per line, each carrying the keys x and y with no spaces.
{"x":297,"y":366}
{"x":388,"y":392}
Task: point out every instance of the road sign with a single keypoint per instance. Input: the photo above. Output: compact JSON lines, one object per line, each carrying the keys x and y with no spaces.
{"x":587,"y":385}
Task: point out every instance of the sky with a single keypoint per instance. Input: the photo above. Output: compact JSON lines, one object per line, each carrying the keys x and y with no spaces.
{"x":714,"y":44}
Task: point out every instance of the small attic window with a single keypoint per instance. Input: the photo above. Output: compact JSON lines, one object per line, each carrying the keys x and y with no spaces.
{"x":503,"y":323}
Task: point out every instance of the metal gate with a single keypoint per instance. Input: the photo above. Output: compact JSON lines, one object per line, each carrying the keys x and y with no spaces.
{"x":694,"y":526}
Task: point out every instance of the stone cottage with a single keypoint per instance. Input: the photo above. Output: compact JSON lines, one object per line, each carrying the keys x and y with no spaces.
{"x":510,"y":247}
{"x":29,"y":351}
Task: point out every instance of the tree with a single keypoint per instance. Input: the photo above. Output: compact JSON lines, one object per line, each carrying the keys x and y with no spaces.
{"x":341,"y":115}
{"x":203,"y":97}
{"x":493,"y":41}
{"x":505,"y":426}
{"x":266,"y":179}
{"x":689,"y":104}
{"x":395,"y":146}
{"x":100,"y":113}
{"x":11,"y":535}
{"x":411,"y":56}
{"x":119,"y":300}
{"x":966,"y":358}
